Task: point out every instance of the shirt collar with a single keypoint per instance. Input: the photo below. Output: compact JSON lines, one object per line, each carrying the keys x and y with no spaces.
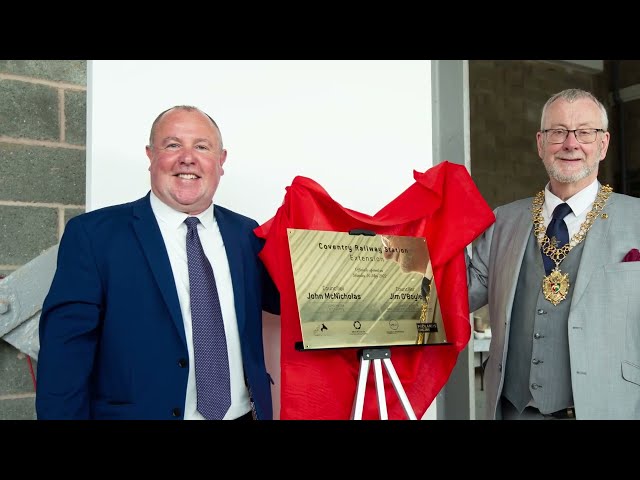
{"x":579,"y":202}
{"x":175,"y":219}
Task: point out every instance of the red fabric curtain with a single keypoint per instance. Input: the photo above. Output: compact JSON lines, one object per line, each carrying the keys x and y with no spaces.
{"x":445,"y":207}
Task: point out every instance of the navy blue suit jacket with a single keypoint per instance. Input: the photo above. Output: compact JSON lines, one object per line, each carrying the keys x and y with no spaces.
{"x":112,"y":341}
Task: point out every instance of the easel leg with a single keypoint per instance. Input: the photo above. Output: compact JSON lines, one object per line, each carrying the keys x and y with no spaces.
{"x":358,"y":402}
{"x":379,"y":356}
{"x":382,"y":399}
{"x":395,"y":380}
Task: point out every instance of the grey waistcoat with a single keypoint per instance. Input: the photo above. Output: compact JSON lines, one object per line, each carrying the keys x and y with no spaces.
{"x":538,"y":363}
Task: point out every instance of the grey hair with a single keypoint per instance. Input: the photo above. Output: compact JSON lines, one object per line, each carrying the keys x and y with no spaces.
{"x":187,"y":108}
{"x":571,"y":95}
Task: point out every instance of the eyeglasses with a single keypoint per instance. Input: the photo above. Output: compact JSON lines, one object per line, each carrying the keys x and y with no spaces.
{"x":583,"y":135}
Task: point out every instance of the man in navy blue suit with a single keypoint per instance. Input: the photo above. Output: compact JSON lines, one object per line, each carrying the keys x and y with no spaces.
{"x":115,"y":330}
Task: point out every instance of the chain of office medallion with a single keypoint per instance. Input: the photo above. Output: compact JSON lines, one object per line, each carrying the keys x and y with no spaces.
{"x":546,"y":245}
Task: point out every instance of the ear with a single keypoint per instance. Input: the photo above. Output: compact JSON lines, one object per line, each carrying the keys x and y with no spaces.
{"x":604,"y":145}
{"x":540,"y":144}
{"x":223,"y":158}
{"x":148,"y":149}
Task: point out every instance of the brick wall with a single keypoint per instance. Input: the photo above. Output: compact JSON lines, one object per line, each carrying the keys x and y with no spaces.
{"x":506,"y":100}
{"x":629,"y":75}
{"x":42,"y":183}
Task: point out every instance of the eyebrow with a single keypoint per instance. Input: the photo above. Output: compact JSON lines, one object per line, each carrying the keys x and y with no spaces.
{"x":564,"y":126}
{"x":176,"y":139}
{"x":205,"y":140}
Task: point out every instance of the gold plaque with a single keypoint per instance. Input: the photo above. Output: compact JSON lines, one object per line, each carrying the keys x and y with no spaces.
{"x":363,"y":290}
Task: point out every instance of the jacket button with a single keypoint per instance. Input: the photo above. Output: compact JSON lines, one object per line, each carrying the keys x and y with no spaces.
{"x":537,"y":336}
{"x":535,"y":386}
{"x":499,"y":367}
{"x":182,"y":362}
{"x":175,"y":412}
{"x":535,"y":361}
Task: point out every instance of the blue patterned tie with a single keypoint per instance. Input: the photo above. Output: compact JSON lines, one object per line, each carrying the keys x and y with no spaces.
{"x":558,"y":229}
{"x":209,"y":341}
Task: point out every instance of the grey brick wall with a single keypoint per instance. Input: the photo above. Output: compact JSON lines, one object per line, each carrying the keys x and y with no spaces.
{"x":506,"y":99}
{"x":629,"y":76}
{"x":42,"y":184}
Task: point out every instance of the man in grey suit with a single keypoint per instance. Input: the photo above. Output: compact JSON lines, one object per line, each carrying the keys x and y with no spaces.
{"x":562,"y":285}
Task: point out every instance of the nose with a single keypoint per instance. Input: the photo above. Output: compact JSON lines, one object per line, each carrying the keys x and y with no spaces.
{"x":571,"y":141}
{"x":187,"y":156}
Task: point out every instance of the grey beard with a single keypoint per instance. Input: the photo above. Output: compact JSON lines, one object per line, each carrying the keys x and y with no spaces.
{"x":556,"y":175}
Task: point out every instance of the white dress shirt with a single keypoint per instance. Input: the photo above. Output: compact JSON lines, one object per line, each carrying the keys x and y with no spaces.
{"x":174,"y":232}
{"x":580,"y":205}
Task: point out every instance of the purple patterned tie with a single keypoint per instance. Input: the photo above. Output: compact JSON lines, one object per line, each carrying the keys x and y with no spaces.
{"x":209,"y":341}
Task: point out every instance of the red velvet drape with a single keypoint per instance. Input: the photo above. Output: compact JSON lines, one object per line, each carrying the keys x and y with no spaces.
{"x":445,"y":207}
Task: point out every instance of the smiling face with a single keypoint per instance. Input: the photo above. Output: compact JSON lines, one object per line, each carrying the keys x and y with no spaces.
{"x":572,"y":165}
{"x":186,"y":158}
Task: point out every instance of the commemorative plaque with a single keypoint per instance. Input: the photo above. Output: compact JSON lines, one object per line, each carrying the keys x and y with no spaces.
{"x":364,"y":290}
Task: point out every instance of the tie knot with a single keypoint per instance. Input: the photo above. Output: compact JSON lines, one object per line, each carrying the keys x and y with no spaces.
{"x":562,"y":211}
{"x":192,"y":222}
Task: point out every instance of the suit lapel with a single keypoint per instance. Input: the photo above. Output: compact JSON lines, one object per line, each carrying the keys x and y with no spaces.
{"x":592,"y":254}
{"x":234,"y":248}
{"x":514,"y":253}
{"x":146,"y":228}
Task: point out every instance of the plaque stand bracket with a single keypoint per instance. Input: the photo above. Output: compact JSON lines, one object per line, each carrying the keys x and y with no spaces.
{"x":379,"y":356}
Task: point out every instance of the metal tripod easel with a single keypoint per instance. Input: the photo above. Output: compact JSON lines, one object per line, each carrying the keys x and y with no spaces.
{"x":379,"y":356}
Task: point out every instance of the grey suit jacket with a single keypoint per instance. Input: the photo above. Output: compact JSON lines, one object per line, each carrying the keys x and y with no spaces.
{"x":604,"y":318}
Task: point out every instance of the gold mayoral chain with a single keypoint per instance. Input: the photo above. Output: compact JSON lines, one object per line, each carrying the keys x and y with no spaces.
{"x":555,"y":286}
